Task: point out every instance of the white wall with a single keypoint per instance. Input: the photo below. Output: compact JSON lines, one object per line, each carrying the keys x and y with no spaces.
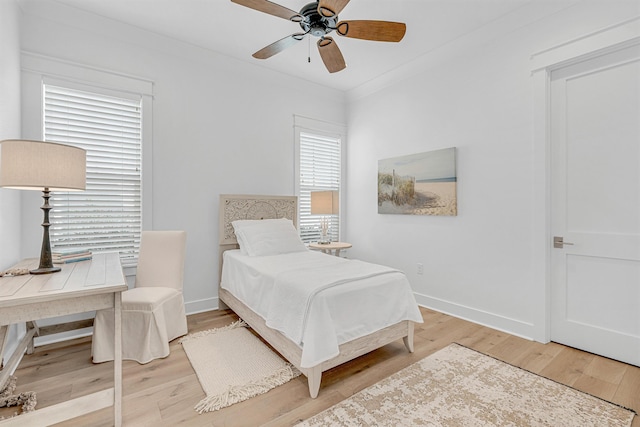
{"x":225,"y":126}
{"x":480,"y":264}
{"x":9,"y":126}
{"x":10,"y":245}
{"x":219,"y":126}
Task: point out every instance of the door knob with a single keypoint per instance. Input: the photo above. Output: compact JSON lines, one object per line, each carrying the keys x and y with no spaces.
{"x":558,"y":242}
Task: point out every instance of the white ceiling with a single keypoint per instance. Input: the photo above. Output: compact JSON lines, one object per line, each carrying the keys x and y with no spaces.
{"x":237,"y":31}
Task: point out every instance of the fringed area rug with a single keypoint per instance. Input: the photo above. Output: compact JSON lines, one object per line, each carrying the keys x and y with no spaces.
{"x":233,"y":365}
{"x":457,"y":387}
{"x":26,"y":400}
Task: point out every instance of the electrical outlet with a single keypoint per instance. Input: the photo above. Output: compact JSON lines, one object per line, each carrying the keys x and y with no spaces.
{"x":420,"y":268}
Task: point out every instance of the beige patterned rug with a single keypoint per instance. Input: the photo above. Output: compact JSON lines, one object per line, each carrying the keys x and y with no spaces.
{"x":25,"y":401}
{"x":458,"y":387}
{"x":233,"y":365}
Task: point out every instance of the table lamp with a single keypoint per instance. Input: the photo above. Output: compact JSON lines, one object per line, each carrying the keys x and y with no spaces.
{"x":324,"y":203}
{"x":45,"y":166}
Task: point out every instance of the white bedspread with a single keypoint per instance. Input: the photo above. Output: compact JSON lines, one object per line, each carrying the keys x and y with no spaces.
{"x":319,"y":301}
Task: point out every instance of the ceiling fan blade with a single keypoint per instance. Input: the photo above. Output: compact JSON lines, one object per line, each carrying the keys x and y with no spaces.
{"x":329,"y":8}
{"x":380,"y":31}
{"x":271,"y":8}
{"x":331,"y":55}
{"x":279,"y":46}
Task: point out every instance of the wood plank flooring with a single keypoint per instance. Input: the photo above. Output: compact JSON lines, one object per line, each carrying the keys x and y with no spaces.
{"x":163,"y":392}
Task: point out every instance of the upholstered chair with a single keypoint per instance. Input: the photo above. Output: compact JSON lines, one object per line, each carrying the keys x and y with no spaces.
{"x":153,"y":311}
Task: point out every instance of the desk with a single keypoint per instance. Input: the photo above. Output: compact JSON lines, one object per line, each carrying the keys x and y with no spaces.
{"x":79,"y":287}
{"x":328,"y":247}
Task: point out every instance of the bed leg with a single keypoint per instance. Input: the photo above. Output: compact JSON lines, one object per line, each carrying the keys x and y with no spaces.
{"x":408,"y":340}
{"x":314,"y":377}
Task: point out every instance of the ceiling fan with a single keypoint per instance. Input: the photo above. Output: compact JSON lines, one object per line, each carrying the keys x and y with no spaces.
{"x":320,"y":18}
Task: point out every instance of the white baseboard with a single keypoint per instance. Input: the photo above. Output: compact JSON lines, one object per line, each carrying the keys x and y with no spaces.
{"x":200,"y":306}
{"x":502,"y":323}
{"x":191,"y":307}
{"x":492,"y":320}
{"x":495,"y":321}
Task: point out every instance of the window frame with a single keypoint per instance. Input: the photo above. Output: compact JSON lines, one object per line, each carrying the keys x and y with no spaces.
{"x":323,"y":129}
{"x":103,"y":157}
{"x":38,"y":70}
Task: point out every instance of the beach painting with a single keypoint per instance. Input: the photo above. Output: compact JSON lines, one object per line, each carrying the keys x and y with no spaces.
{"x":419,"y":184}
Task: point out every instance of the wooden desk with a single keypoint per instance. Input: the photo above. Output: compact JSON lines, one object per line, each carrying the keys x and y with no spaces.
{"x":328,"y":247}
{"x":79,"y":287}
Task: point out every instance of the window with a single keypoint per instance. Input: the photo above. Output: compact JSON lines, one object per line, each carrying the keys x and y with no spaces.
{"x":108,"y":215}
{"x":319,"y":168}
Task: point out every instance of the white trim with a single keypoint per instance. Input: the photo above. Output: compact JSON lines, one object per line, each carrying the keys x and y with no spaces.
{"x":320,"y":125}
{"x":75,"y":72}
{"x":597,"y":43}
{"x":337,"y":130}
{"x":202,"y":305}
{"x":491,"y":320}
{"x":83,"y":77}
{"x":192,"y":307}
{"x":331,"y":129}
{"x":301,"y":123}
{"x":613,"y":37}
{"x":541,"y":201}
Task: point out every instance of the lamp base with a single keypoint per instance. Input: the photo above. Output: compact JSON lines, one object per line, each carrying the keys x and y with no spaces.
{"x":46,"y":263}
{"x":45,"y":270}
{"x":324,"y":239}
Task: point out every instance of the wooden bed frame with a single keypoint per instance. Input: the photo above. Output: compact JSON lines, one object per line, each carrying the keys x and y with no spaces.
{"x":235,"y":207}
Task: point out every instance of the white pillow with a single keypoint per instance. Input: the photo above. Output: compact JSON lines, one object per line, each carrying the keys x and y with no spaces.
{"x":267,"y":237}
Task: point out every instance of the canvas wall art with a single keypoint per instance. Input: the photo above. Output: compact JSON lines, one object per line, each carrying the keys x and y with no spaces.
{"x":419,"y":184}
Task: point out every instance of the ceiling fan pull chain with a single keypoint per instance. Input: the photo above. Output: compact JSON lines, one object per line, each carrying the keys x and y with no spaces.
{"x":309,"y":51}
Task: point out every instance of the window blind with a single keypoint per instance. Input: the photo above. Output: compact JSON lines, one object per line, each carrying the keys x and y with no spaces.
{"x":320,"y":167}
{"x":107,"y":216}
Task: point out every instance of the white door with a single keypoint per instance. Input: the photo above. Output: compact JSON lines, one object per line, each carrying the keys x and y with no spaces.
{"x":595,"y":205}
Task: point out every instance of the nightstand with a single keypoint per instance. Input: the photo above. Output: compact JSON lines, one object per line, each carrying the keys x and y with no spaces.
{"x":328,"y":247}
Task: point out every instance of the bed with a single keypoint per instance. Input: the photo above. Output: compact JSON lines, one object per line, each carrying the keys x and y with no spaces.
{"x":301,"y":301}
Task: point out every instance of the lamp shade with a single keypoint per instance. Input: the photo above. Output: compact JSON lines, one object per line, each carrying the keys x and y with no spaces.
{"x":324,"y":202}
{"x":36,"y":165}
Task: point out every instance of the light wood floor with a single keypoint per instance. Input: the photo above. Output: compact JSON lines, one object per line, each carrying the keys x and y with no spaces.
{"x":163,"y":392}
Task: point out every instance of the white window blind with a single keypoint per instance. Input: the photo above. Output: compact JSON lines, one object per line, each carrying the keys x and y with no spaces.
{"x":320,"y":167}
{"x":107,"y":216}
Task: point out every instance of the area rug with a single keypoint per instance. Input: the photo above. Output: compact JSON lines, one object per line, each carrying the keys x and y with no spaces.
{"x":457,"y":387}
{"x":26,"y":401}
{"x":233,"y":365}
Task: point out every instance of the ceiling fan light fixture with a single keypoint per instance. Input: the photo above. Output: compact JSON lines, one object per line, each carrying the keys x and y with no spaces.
{"x":315,"y":23}
{"x":318,"y":30}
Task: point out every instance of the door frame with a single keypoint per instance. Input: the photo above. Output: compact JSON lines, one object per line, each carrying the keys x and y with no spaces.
{"x":610,"y":39}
